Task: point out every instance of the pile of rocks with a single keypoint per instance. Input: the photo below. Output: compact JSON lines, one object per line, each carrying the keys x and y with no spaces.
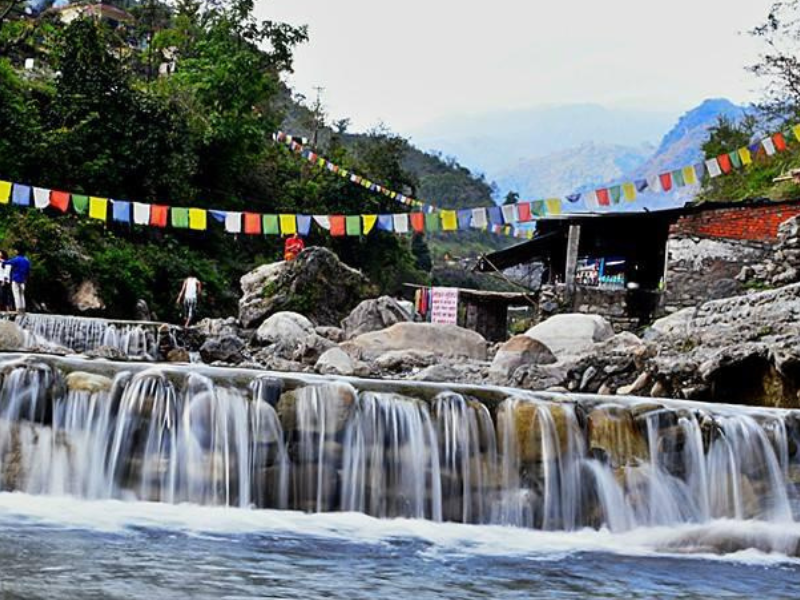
{"x":781,"y":267}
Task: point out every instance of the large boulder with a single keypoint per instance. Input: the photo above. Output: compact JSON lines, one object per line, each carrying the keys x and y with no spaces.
{"x":571,"y":334}
{"x":449,"y":341}
{"x":87,"y":297}
{"x":518,"y":351}
{"x":12,"y":336}
{"x":373,"y":315}
{"x":286,"y":327}
{"x":335,"y":361}
{"x":226,"y":349}
{"x":316,"y":284}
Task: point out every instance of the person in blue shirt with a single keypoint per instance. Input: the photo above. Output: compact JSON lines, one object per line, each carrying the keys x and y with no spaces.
{"x":20,"y":270}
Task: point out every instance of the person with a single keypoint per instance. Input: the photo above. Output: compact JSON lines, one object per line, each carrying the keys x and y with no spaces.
{"x":20,"y":270}
{"x":6,"y":302}
{"x":190,"y":292}
{"x":294,"y":246}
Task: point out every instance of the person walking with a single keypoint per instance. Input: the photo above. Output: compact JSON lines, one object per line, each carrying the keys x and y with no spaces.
{"x":189,"y":294}
{"x":6,"y":301}
{"x":20,"y":270}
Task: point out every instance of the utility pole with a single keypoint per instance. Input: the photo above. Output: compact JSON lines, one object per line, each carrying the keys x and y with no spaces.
{"x":318,"y":115}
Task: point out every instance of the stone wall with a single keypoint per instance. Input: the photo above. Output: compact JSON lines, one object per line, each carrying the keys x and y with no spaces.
{"x":614,"y":305}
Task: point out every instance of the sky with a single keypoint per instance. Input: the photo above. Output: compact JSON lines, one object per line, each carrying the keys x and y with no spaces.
{"x":411,"y":63}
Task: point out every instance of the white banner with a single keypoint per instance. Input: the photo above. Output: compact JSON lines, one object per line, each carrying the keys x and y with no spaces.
{"x":444,"y":305}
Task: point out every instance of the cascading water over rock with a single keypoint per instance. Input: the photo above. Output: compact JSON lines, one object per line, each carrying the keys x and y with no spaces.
{"x":238,"y":438}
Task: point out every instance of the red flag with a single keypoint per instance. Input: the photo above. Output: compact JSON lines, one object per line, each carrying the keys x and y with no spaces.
{"x":252,"y":223}
{"x":418,"y":221}
{"x":158,"y":215}
{"x":666,"y":181}
{"x":779,"y":141}
{"x":603,"y":198}
{"x":337,"y":225}
{"x":725,"y":163}
{"x":59,"y":200}
{"x":524,"y":211}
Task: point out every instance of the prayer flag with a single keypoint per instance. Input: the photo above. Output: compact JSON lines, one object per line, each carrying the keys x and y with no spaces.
{"x":80,"y":203}
{"x":629,"y":191}
{"x":524,"y":211}
{"x":369,"y":222}
{"x":713,"y":167}
{"x":666,"y":181}
{"x":677,"y":178}
{"x":700,"y":170}
{"x":141,"y":213}
{"x":449,"y":220}
{"x":509,"y":213}
{"x":779,"y":141}
{"x":98,"y":208}
{"x":252,"y":223}
{"x":553,"y":206}
{"x":689,"y":176}
{"x":337,"y":225}
{"x":432,"y":222}
{"x":158,"y":214}
{"x":538,"y":208}
{"x":479,"y":220}
{"x":796,"y":131}
{"x":464,"y":218}
{"x":769,"y":146}
{"x":179,"y":217}
{"x":602,"y":197}
{"x":400,"y":222}
{"x":724,"y":163}
{"x":745,"y":156}
{"x":385,"y":223}
{"x":574,"y":198}
{"x":59,"y":200}
{"x":323,"y":221}
{"x":198,"y":219}
{"x":288,"y":224}
{"x":21,"y":195}
{"x":5,"y":191}
{"x":41,"y":197}
{"x":270,"y":225}
{"x":495,"y":215}
{"x":353,"y":225}
{"x":417,"y":221}
{"x":654,"y":184}
{"x":735,"y":159}
{"x":616,"y":194}
{"x":641,"y":185}
{"x":218,"y":215}
{"x":303,"y":224}
{"x":233,"y":222}
{"x":121,"y":211}
{"x":590,"y":199}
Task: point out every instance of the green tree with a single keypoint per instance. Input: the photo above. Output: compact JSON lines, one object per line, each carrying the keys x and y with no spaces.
{"x":422,"y":254}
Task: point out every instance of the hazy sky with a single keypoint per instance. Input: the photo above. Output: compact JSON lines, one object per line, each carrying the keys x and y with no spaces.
{"x":410,"y":62}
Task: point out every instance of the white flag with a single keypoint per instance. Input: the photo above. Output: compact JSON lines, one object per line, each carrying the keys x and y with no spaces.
{"x":769,"y":146}
{"x":590,"y":199}
{"x":654,"y":184}
{"x":479,"y":220}
{"x":141,"y":213}
{"x":400,"y":222}
{"x":712,"y":166}
{"x":233,"y":222}
{"x":41,"y":197}
{"x":323,"y":221}
{"x":510,"y":213}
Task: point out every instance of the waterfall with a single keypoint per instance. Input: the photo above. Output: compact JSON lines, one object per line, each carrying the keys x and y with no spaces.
{"x":82,"y":334}
{"x":181,"y":434}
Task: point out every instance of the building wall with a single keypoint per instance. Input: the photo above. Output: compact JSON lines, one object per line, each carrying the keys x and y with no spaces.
{"x":706,"y":251}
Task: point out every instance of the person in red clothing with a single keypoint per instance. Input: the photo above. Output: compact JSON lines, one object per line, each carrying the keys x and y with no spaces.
{"x":294,"y":246}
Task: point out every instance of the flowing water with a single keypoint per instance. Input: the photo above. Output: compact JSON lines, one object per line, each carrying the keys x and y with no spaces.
{"x":139,"y":480}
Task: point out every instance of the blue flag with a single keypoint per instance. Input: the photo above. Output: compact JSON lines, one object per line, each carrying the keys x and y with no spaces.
{"x":121,"y":211}
{"x":574,"y":197}
{"x":303,"y":224}
{"x":218,"y":215}
{"x":465,"y":218}
{"x":495,"y":215}
{"x":385,"y":223}
{"x":21,"y":195}
{"x":641,"y":185}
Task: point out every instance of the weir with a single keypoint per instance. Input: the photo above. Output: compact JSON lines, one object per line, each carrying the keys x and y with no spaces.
{"x":236,"y":437}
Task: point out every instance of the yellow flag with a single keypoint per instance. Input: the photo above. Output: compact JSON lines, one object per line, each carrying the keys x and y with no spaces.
{"x":198,"y":219}
{"x":553,"y":206}
{"x":744,"y":154}
{"x":449,"y":220}
{"x":369,"y":222}
{"x":629,"y":191}
{"x":288,"y":224}
{"x":98,"y":208}
{"x":796,"y":131}
{"x":689,"y":175}
{"x":5,"y":191}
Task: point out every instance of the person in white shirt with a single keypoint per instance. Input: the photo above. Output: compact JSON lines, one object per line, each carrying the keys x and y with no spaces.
{"x":190,"y":292}
{"x":6,"y":300}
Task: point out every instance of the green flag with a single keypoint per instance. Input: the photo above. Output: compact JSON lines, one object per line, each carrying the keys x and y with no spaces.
{"x":271,"y":225}
{"x":432,"y":222}
{"x":179,"y":217}
{"x":616,"y":194}
{"x":538,"y":208}
{"x":736,"y":160}
{"x":353,"y":225}
{"x":80,"y":203}
{"x":678,"y":179}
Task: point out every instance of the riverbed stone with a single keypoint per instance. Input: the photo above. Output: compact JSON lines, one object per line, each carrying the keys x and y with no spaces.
{"x":12,"y":336}
{"x":571,"y":334}
{"x":373,"y":315}
{"x":518,"y":351}
{"x":445,"y":340}
{"x":81,"y":381}
{"x":335,"y":361}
